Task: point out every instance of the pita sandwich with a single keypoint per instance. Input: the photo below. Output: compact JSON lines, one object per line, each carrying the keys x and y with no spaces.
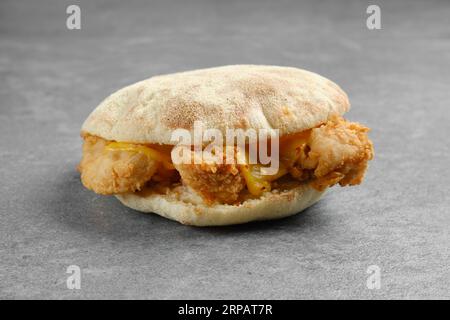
{"x":128,"y":144}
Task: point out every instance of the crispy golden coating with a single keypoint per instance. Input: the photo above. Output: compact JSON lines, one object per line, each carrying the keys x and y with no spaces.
{"x":335,"y":152}
{"x":112,"y":172}
{"x":214,"y":182}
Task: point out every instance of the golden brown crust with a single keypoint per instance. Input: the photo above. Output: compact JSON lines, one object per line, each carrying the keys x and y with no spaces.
{"x":335,"y":152}
{"x":215,"y":182}
{"x":240,"y":96}
{"x":115,"y":171}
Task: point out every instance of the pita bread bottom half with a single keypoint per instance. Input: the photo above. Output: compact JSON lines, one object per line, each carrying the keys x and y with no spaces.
{"x":186,"y":207}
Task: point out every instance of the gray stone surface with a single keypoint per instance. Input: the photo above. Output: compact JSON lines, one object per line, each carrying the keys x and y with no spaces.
{"x":397,"y":79}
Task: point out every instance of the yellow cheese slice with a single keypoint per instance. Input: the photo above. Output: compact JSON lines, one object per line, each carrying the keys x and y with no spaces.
{"x":149,"y":152}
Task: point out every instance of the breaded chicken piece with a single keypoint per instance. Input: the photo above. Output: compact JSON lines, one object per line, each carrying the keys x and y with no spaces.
{"x":214,"y":182}
{"x":335,"y":152}
{"x":111,"y":172}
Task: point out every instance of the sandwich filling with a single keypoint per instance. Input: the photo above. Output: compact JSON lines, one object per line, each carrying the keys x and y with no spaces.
{"x":335,"y":152}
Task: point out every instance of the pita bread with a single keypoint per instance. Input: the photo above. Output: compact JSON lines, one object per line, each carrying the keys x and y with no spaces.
{"x":186,"y":207}
{"x":239,"y":96}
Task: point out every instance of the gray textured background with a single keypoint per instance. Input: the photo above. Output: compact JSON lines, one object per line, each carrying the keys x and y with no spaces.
{"x":398,"y":81}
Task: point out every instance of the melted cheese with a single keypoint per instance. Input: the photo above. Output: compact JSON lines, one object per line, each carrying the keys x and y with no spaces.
{"x":290,"y":151}
{"x":256,"y":185}
{"x":152,"y":153}
{"x":291,"y":147}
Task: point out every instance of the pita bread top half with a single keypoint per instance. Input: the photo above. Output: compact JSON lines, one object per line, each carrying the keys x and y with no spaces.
{"x":238,"y":96}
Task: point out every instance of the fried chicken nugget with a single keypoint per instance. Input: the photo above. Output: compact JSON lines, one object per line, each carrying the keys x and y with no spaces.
{"x":338,"y":153}
{"x":112,"y":172}
{"x":213,"y":181}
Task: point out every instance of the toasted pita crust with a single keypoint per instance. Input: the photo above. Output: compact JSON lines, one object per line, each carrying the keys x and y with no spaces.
{"x":239,"y":96}
{"x":186,"y":207}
